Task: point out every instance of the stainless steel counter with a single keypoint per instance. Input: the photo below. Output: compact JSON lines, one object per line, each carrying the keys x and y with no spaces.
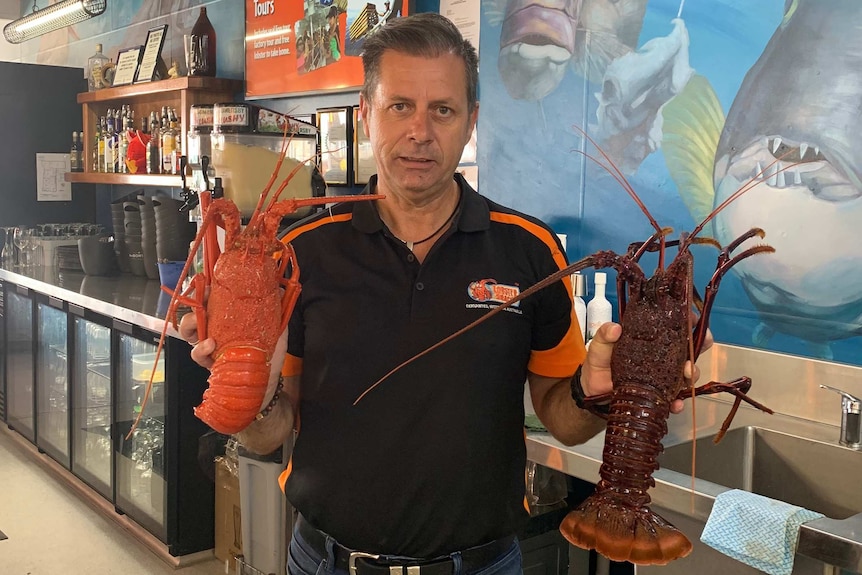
{"x":132,"y":299}
{"x":835,"y":542}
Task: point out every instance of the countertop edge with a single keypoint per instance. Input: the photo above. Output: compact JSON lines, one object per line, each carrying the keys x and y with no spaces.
{"x":100,"y":306}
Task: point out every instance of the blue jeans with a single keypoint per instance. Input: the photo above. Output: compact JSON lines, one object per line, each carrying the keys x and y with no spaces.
{"x":303,"y":560}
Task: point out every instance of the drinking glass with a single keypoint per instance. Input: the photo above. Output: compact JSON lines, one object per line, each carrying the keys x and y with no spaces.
{"x":23,"y":238}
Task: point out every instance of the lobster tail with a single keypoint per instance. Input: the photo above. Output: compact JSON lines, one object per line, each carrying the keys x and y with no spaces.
{"x":237,"y":386}
{"x":623,"y":533}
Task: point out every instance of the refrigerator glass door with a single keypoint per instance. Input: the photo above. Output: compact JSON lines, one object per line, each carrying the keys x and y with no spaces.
{"x":19,"y":368}
{"x":52,"y":388}
{"x":91,"y":415}
{"x":140,"y":471}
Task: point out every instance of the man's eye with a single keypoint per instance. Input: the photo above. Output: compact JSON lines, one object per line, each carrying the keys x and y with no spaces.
{"x":444,"y":111}
{"x":399,"y":107}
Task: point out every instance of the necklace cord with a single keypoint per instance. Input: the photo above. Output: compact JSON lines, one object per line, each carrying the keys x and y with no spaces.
{"x":437,"y":231}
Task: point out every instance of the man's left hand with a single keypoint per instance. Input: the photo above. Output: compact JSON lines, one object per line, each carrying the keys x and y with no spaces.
{"x":596,"y":372}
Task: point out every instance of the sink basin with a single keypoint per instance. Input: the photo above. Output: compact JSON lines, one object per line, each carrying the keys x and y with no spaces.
{"x":819,"y":476}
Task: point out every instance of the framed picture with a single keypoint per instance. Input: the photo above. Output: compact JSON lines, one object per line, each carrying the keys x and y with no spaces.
{"x":152,"y":66}
{"x":127,"y":65}
{"x":311,"y":46}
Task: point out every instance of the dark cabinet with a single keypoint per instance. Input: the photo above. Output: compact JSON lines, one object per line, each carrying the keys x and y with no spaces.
{"x":20,"y":361}
{"x":75,"y":382}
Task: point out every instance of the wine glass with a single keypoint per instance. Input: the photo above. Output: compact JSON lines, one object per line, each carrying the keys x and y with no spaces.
{"x":23,"y":237}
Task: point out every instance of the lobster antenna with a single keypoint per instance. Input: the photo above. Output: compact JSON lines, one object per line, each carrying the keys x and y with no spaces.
{"x":679,"y":12}
{"x":612,"y":169}
{"x":285,"y":142}
{"x":172,"y":308}
{"x":289,"y":177}
{"x":749,"y":185}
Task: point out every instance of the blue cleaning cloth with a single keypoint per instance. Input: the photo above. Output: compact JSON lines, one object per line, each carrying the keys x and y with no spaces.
{"x":756,"y":530}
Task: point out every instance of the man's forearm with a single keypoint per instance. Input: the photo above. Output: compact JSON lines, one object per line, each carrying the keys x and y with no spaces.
{"x":552,"y":400}
{"x":265,"y":435}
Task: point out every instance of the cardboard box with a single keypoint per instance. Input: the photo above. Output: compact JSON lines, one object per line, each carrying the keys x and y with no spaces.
{"x":228,"y":516}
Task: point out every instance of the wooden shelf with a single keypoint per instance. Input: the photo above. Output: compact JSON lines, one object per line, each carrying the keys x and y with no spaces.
{"x":125,"y":179}
{"x":180,"y":93}
{"x":162,"y":86}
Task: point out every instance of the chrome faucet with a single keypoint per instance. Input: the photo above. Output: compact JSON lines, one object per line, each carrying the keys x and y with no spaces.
{"x":851,"y":418}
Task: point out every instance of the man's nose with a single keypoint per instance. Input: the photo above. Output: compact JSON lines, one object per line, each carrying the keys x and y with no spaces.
{"x":420,"y":126}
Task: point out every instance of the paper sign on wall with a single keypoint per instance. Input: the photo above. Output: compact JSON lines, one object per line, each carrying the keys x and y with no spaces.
{"x":51,"y":184}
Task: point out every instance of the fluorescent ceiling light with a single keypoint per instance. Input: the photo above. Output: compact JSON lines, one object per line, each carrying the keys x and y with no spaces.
{"x":54,"y":17}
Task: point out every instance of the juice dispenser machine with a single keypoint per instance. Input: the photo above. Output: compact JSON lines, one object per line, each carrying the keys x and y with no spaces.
{"x":245,"y":146}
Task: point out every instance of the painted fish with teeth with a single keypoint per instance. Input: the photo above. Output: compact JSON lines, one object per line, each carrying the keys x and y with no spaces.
{"x":540,"y":39}
{"x":799,"y":103}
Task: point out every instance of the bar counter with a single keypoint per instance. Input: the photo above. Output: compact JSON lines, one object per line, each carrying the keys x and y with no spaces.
{"x":787,"y":384}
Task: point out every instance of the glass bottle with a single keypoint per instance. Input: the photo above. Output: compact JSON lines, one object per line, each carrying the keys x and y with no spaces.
{"x":80,"y":154}
{"x":153,"y":158}
{"x":73,"y":154}
{"x":599,"y":310}
{"x":202,"y":47}
{"x":95,"y":65}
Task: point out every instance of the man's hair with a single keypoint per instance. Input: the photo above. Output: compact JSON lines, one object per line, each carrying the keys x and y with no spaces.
{"x":428,"y":35}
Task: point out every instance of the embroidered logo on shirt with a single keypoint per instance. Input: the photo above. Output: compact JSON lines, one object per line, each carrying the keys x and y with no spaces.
{"x":489,"y":291}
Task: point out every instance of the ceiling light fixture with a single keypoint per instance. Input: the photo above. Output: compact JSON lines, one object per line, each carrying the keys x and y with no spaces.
{"x":52,"y":18}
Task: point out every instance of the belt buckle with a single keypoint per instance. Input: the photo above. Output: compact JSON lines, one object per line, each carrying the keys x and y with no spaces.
{"x":354,"y":555}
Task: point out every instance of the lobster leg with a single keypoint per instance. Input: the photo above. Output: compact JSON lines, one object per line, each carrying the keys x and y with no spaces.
{"x":725,"y":262}
{"x":738,"y":388}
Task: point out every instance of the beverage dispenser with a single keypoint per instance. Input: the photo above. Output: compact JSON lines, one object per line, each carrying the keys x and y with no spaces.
{"x":246,"y":144}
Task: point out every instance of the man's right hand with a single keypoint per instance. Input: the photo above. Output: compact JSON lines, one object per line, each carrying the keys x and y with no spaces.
{"x":201,"y":350}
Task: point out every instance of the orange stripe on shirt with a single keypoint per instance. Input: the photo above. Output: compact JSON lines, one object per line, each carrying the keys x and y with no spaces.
{"x":289,"y":237}
{"x":559,"y":361}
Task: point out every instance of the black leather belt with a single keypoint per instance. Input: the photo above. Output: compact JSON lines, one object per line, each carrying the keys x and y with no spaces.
{"x":360,"y":563}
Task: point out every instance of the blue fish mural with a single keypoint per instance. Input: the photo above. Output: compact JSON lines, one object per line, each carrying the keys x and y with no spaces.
{"x":703,"y":99}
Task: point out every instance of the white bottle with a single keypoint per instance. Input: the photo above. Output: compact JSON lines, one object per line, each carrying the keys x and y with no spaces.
{"x":599,"y":309}
{"x":579,"y":290}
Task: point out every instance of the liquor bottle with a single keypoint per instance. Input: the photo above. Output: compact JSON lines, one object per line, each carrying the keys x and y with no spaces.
{"x":95,"y":65}
{"x":109,"y":143}
{"x":599,"y":310}
{"x":202,"y":47}
{"x":178,"y":141}
{"x":123,"y":151}
{"x":153,"y":158}
{"x":168,"y":147}
{"x":100,"y":145}
{"x":80,"y":151}
{"x":73,"y":154}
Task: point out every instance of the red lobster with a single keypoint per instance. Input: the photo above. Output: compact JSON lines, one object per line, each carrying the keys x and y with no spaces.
{"x":250,"y":300}
{"x":647,"y":363}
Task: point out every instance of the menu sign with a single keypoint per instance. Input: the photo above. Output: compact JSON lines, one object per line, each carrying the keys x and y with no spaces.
{"x":307,"y":46}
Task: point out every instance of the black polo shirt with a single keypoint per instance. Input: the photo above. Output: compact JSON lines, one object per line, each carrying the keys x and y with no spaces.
{"x":432,"y":460}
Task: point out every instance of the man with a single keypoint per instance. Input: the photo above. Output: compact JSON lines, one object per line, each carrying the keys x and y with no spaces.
{"x":427,"y":469}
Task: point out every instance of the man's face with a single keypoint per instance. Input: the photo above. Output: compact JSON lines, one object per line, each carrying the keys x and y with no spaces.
{"x":418,"y":122}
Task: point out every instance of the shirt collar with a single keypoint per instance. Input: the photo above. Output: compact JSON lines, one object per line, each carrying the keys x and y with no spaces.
{"x":475,"y":215}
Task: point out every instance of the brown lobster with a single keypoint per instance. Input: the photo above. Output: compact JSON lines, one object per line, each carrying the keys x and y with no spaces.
{"x":647,"y":363}
{"x":250,"y":299}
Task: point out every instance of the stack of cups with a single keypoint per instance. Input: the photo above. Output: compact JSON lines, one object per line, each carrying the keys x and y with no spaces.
{"x":118,"y":219}
{"x":132,"y":219}
{"x":148,"y":236}
{"x":174,"y":232}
